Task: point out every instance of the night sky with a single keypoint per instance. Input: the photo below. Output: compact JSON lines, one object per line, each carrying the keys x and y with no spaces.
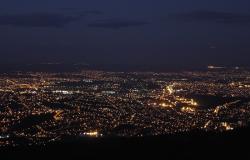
{"x":166,"y":33}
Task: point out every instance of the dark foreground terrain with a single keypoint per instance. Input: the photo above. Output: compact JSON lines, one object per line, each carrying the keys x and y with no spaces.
{"x":198,"y":145}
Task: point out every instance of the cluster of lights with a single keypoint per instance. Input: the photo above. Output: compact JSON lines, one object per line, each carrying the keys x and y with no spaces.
{"x":63,"y":92}
{"x":170,"y":89}
{"x":92,"y":134}
{"x":188,"y":109}
{"x":165,"y":105}
{"x":226,"y":126}
{"x":88,"y":95}
{"x":191,"y":102}
{"x":58,"y":115}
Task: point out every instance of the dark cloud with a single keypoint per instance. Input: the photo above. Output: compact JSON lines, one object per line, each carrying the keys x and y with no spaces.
{"x":214,"y":16}
{"x":38,"y":19}
{"x":117,"y":24}
{"x":81,"y":11}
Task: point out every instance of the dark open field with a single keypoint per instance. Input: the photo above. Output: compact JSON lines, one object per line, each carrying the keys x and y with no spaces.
{"x":195,"y":145}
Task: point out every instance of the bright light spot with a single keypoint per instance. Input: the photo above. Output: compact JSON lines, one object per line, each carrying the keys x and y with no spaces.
{"x":170,"y":89}
{"x":227,"y":126}
{"x":217,"y":110}
{"x":58,"y":115}
{"x":188,"y":109}
{"x":164,"y":105}
{"x":92,"y":134}
{"x":215,"y":67}
{"x":207,"y":124}
{"x":193,"y":103}
{"x":63,"y":92}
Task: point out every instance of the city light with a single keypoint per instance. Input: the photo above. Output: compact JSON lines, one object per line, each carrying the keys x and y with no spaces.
{"x":188,"y":109}
{"x":92,"y":134}
{"x":119,"y":104}
{"x":227,"y":126}
{"x":170,"y":89}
